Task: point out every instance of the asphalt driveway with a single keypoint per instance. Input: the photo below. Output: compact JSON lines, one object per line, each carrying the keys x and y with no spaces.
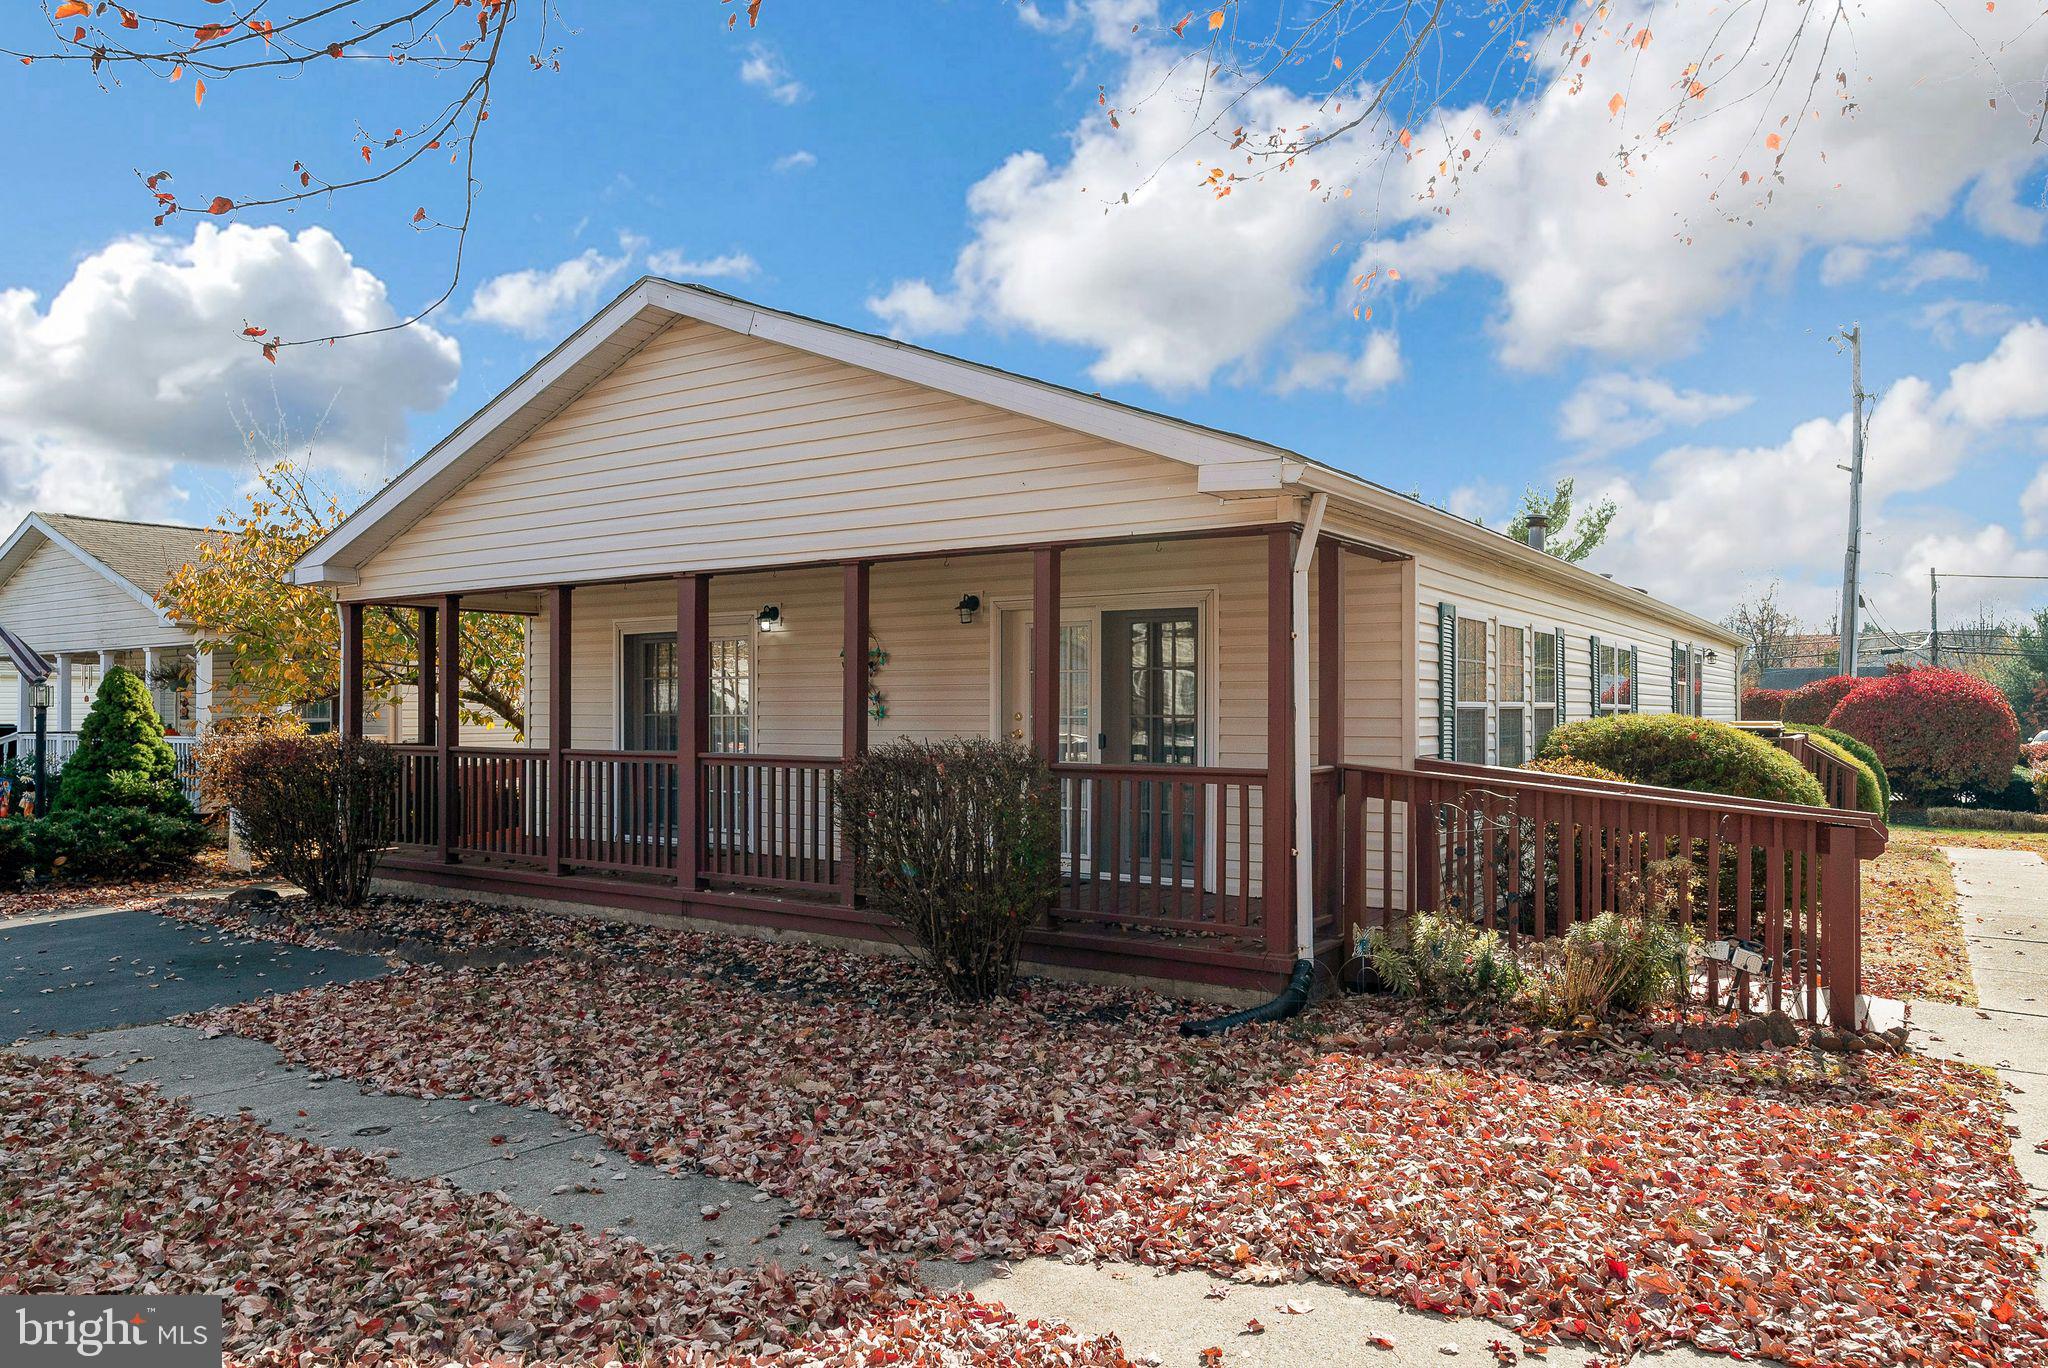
{"x":97,"y":972}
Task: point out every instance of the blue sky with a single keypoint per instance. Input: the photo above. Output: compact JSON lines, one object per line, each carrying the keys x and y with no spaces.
{"x":1663,"y":337}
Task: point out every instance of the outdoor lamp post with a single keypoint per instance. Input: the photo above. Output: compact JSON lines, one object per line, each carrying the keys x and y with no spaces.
{"x":39,"y":699}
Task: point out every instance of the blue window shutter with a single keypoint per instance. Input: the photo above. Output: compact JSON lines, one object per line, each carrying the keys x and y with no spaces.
{"x":1446,"y":681}
{"x":1677,"y":689}
{"x":1593,"y":692}
{"x":1635,"y":680}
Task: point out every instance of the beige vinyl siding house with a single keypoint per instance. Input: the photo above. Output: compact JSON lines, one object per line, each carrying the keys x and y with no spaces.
{"x":1228,"y":653}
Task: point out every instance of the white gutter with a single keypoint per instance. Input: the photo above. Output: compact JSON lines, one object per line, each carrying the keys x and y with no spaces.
{"x":1304,"y":824}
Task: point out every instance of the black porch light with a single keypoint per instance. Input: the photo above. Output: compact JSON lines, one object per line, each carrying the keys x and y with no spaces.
{"x":968,"y":606}
{"x":770,"y":617}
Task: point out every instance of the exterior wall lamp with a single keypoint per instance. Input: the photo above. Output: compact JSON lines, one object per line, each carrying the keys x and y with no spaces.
{"x":40,"y":695}
{"x":967,"y":607}
{"x":770,"y":618}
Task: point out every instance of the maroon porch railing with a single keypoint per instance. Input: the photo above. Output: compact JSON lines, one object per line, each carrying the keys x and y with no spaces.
{"x":1528,"y":855}
{"x":770,"y":821}
{"x":504,"y":802}
{"x":1837,"y":780}
{"x":416,"y":802}
{"x":1162,"y":848}
{"x":621,"y":810}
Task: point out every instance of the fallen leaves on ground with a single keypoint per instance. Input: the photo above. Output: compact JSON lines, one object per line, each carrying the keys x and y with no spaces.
{"x":325,"y":1254}
{"x":1912,"y":927}
{"x":1775,"y":1204}
{"x":1771,"y":1206}
{"x":209,"y":870}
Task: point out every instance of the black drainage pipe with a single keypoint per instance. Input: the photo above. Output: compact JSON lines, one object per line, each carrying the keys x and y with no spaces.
{"x":1292,"y":999}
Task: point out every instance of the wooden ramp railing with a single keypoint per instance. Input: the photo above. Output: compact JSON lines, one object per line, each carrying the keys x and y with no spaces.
{"x":1529,"y":854}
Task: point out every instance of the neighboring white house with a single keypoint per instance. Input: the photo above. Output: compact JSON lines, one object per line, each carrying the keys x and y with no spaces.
{"x":82,"y":592}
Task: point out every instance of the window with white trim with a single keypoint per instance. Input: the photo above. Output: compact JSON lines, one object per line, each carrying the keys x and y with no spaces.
{"x":1543,"y":688}
{"x":1473,"y":678}
{"x":1617,"y":684}
{"x":1513,"y":721}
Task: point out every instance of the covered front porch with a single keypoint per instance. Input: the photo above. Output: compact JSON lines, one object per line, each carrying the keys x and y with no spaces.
{"x":1161,"y":676}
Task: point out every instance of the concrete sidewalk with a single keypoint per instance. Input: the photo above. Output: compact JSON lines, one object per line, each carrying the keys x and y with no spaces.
{"x":2004,"y":900}
{"x":526,"y":1156}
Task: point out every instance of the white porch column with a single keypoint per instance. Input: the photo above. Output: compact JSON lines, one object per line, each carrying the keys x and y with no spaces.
{"x":63,"y":718}
{"x":202,"y":690}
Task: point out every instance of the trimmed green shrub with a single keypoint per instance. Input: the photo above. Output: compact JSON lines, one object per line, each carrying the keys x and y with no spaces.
{"x":1869,"y":758}
{"x":1442,"y":960}
{"x":2017,"y":795}
{"x":122,"y":758}
{"x":1869,"y":797}
{"x":1693,"y":753}
{"x":1937,"y":731}
{"x":316,"y":810}
{"x":1577,"y":769}
{"x":117,"y":843}
{"x":1813,"y":702}
{"x":958,"y":841}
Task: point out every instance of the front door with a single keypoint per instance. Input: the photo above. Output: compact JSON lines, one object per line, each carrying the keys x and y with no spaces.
{"x":1152,"y":701}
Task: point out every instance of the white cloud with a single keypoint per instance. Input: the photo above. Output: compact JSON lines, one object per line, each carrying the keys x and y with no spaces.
{"x":803,"y":159}
{"x":537,"y":302}
{"x":765,"y":70}
{"x":1614,"y":411}
{"x":678,"y":265}
{"x":2034,"y":504}
{"x":1675,"y":234}
{"x":1905,"y":270}
{"x":1377,"y":365}
{"x":1703,"y":523}
{"x":1166,"y":286}
{"x":1951,"y":320}
{"x":1176,"y":284}
{"x":139,"y":362}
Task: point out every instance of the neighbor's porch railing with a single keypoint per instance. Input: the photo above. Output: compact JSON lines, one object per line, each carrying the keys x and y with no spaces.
{"x":1529,"y":855}
{"x":59,"y":746}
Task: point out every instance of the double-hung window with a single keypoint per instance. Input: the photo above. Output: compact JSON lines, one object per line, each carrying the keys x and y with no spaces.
{"x":1473,"y":698}
{"x":1543,"y":688}
{"x":1688,"y":678}
{"x":1616,"y":685}
{"x":1514,"y":695}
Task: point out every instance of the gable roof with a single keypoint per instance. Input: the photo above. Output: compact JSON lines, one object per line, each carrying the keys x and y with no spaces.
{"x":1227,"y":464}
{"x":136,"y":557}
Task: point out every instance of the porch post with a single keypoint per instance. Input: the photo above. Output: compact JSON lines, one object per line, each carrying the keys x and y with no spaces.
{"x":349,"y":713}
{"x":1277,"y":855}
{"x":558,"y":726}
{"x":448,"y":722}
{"x":853,"y":722}
{"x":202,"y":689}
{"x":429,"y":692}
{"x":693,"y":723}
{"x":1330,"y":653}
{"x":1045,"y":652}
{"x":63,"y":694}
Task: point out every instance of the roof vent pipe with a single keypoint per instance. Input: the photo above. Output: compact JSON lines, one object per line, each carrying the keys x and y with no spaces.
{"x":1539,"y":528}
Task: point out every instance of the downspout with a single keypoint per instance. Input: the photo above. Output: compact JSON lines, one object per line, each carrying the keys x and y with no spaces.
{"x":1294,"y":997}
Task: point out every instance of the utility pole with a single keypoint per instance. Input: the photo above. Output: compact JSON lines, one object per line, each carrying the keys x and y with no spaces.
{"x":1851,"y":585}
{"x":1933,"y":617}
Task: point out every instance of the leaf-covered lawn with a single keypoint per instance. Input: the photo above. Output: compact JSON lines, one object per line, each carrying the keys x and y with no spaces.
{"x":1772,"y":1204}
{"x":1775,"y":1207}
{"x":1912,"y":928}
{"x":208,"y":870}
{"x":325,"y":1256}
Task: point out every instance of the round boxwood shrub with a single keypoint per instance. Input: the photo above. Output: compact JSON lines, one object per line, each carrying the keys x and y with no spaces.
{"x":1813,"y":702}
{"x":1870,"y":761}
{"x":122,"y":758}
{"x":1764,"y":705}
{"x":1937,"y":731}
{"x":1577,"y":769}
{"x":1670,"y":751}
{"x":1869,"y":798}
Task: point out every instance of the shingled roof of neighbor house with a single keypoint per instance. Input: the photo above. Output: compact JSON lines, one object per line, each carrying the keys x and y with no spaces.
{"x":144,"y":554}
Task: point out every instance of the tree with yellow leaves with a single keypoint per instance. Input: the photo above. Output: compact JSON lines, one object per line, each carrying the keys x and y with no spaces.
{"x":284,"y":639}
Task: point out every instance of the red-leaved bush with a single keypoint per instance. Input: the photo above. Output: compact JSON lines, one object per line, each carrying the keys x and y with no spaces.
{"x":1814,"y":703}
{"x":1935,"y":730}
{"x":1764,"y":705}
